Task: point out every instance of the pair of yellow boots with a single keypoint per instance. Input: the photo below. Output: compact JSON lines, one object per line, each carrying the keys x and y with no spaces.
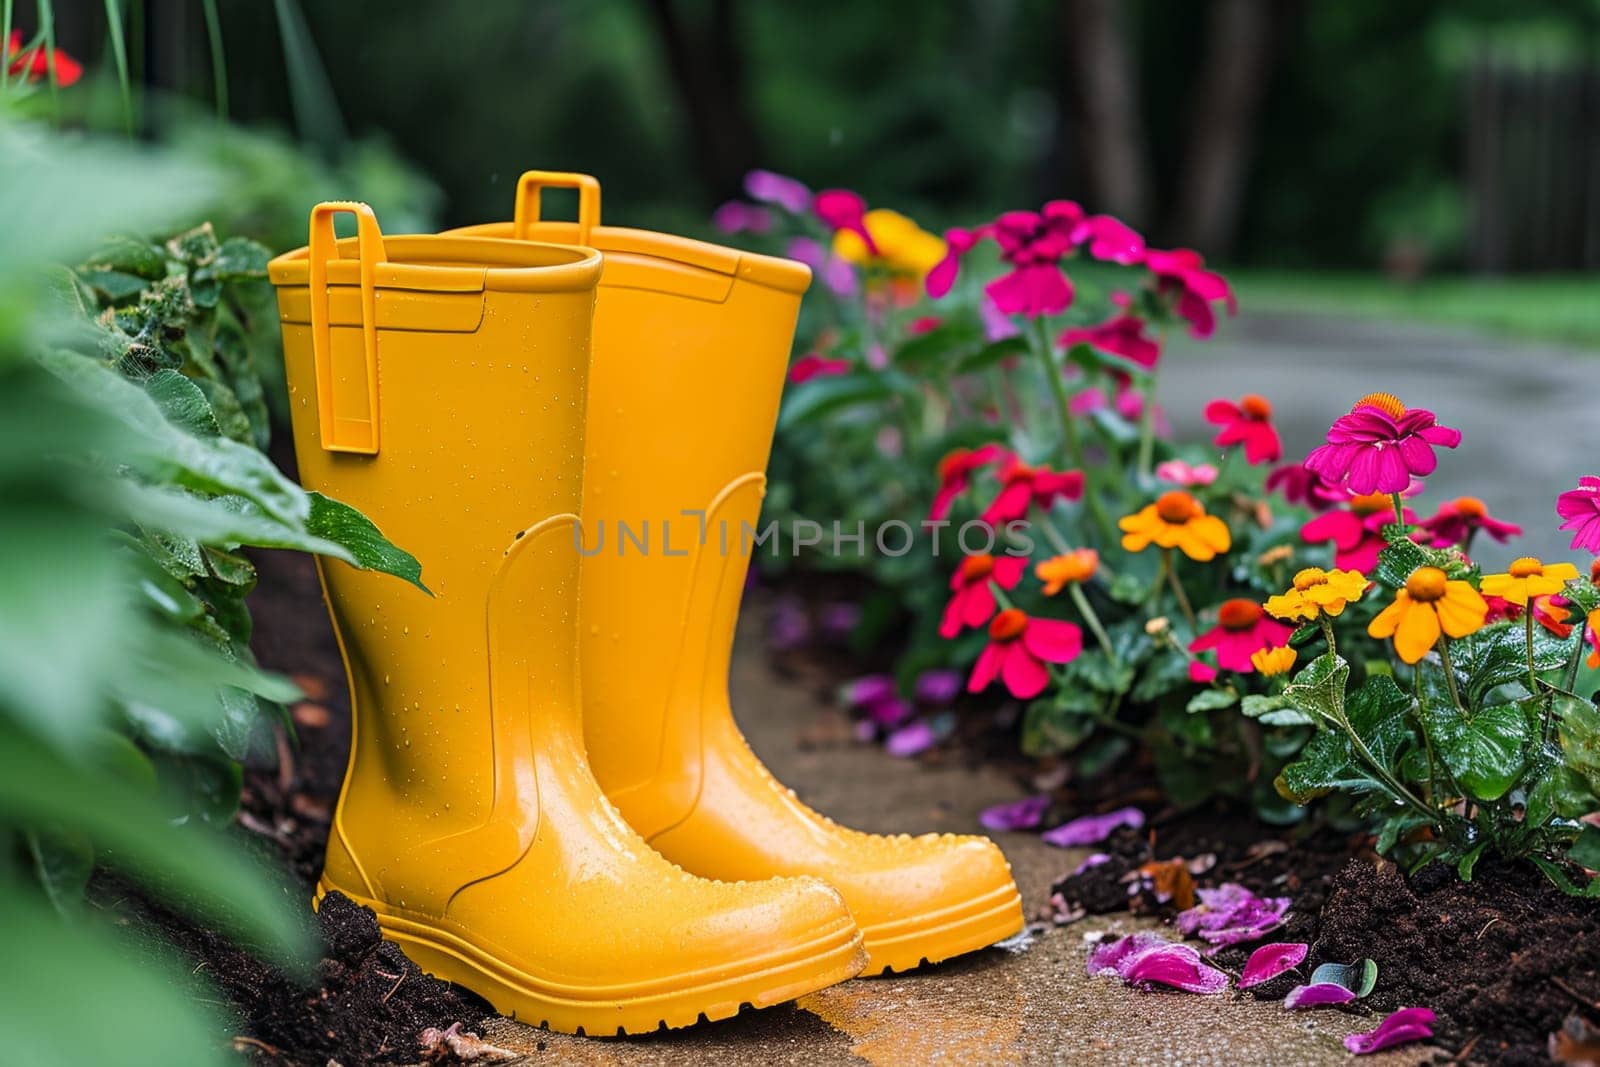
{"x":616,"y":861}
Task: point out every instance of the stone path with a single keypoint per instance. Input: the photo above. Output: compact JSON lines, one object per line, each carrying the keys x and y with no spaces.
{"x":1527,"y":411}
{"x":1030,"y":1005}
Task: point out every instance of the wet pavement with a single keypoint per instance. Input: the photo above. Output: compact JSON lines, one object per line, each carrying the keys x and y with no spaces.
{"x":1030,"y":1004}
{"x":1525,"y":410}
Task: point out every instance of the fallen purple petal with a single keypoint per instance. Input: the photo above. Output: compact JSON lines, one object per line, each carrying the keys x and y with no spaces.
{"x":1022,"y":814}
{"x":1405,"y":1025}
{"x":1093,"y":829}
{"x":1231,"y":914}
{"x":1148,"y":959}
{"x":938,"y":686}
{"x":1093,"y":859}
{"x":868,"y":689}
{"x":889,"y":711}
{"x":910,"y":740}
{"x":839,"y":619}
{"x":1316,"y":996}
{"x":1269,"y":961}
{"x":789,"y":627}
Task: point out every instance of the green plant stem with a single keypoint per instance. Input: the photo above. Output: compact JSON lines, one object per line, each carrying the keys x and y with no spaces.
{"x":1327,"y":634}
{"x":219,"y":61}
{"x":1171,"y":568}
{"x":1069,"y":430}
{"x":1450,"y":673}
{"x":1533,"y":673}
{"x":1093,"y":621}
{"x":1399,"y":511}
{"x":1570,"y":678}
{"x":5,"y":35}
{"x":1394,"y":784}
{"x":1053,"y":535}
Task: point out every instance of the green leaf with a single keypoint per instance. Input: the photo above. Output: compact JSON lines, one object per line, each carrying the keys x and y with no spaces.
{"x":1486,"y":751}
{"x":1578,"y":726}
{"x":345,"y":526}
{"x":1585,"y":851}
{"x":991,"y":354}
{"x":1164,"y":674}
{"x":1051,"y":726}
{"x":130,"y":255}
{"x":1499,"y":654}
{"x":1377,"y":713}
{"x":113,"y":286}
{"x":241,"y":259}
{"x":1098,"y":672}
{"x":932,"y":352}
{"x":1318,"y":690}
{"x":1325,"y":764}
{"x":1211,"y":700}
{"x":182,"y":402}
{"x":1397,"y":560}
{"x":819,"y":397}
{"x":1360,"y":978}
{"x":63,"y":862}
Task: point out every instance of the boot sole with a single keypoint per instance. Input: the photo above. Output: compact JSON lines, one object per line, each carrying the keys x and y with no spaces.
{"x":906,"y":944}
{"x":834,"y":955}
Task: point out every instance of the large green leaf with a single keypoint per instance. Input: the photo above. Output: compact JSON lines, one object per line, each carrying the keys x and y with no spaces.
{"x":1325,"y":764}
{"x":807,"y":403}
{"x":1318,"y":690}
{"x":1377,"y":713}
{"x":1485,"y":751}
{"x":1499,"y":654}
{"x":356,"y":535}
{"x":181,"y":400}
{"x":1578,"y":726}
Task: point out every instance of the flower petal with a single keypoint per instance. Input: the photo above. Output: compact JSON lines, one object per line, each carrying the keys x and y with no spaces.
{"x":1093,"y":829}
{"x":1407,"y":1024}
{"x":1316,"y":996}
{"x":1022,"y":672}
{"x":1269,"y":961}
{"x":1053,"y":640}
{"x":1024,"y":814}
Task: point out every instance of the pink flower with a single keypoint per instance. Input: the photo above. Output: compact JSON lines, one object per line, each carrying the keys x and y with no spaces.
{"x":1249,"y":422}
{"x":738,"y":217}
{"x":814,"y":366}
{"x":1242,"y":629}
{"x":835,"y":273}
{"x":1018,"y":649}
{"x":1380,"y":446}
{"x":1300,"y":486}
{"x":955,"y":474}
{"x":843,"y":210}
{"x":1023,"y":486}
{"x":1201,"y":672}
{"x":1034,"y":243}
{"x":1356,"y":531}
{"x":1121,"y":335}
{"x":1457,"y":520}
{"x":997,"y":325}
{"x":1580,"y":508}
{"x":1178,"y":472}
{"x":770,"y":188}
{"x":1182,"y":271}
{"x":972,"y":599}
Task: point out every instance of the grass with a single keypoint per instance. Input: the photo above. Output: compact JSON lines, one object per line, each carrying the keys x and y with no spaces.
{"x":1563,"y":309}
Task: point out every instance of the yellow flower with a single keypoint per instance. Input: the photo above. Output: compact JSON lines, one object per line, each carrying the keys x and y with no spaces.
{"x":1528,"y":577}
{"x":1270,"y":661}
{"x":1430,"y":602}
{"x":1056,"y":572}
{"x":1176,"y":520}
{"x":903,"y":246}
{"x":1318,"y":592}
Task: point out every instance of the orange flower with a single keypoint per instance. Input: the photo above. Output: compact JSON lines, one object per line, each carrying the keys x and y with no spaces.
{"x":1057,"y":572}
{"x":1176,"y":520}
{"x":1270,"y":661}
{"x":1528,"y":577}
{"x":1431,"y":602}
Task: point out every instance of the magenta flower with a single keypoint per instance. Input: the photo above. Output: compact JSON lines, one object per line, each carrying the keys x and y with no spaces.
{"x":1457,"y":520}
{"x":814,"y":366}
{"x":1247,"y":423}
{"x":1380,"y":446}
{"x":1022,"y":814}
{"x":972,"y":600}
{"x":1018,"y":649}
{"x":1317,"y":996}
{"x":1405,"y":1025}
{"x":1230,"y":914}
{"x":1356,"y":530}
{"x":1145,"y":959}
{"x":1242,"y":630}
{"x":1093,"y":829}
{"x":738,"y":217}
{"x":1121,"y":335}
{"x":955,"y":474}
{"x":838,"y":276}
{"x":1269,"y":961}
{"x":771,"y":188}
{"x":1034,"y":244}
{"x":1201,"y":672}
{"x":1022,"y":486}
{"x":1580,"y":508}
{"x":843,"y":210}
{"x":1300,"y":486}
{"x":1182,"y":272}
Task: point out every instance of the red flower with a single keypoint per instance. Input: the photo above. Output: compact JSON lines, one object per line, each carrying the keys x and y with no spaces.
{"x":1018,"y":649}
{"x":1464,"y":516}
{"x":1300,"y":486}
{"x":1034,"y":243}
{"x":1022,"y":486}
{"x":1249,"y":422}
{"x":1123,"y":334}
{"x":1356,"y":531}
{"x":35,"y":63}
{"x":923,"y":324}
{"x":814,"y":366}
{"x":1183,"y":272}
{"x":955,"y":474}
{"x":972,"y":602}
{"x":1242,"y":629}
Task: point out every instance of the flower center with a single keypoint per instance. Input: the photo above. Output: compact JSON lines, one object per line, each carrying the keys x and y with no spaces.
{"x":1470,"y":507}
{"x":1239,"y":614}
{"x":1526,"y":567}
{"x":1177,"y":507}
{"x":1387,"y":403}
{"x":1020,"y":472}
{"x":1309,"y":578}
{"x":1007,"y":625}
{"x":976,"y":568}
{"x":1372,"y":504}
{"x":1426,"y":584}
{"x":1256,"y":407}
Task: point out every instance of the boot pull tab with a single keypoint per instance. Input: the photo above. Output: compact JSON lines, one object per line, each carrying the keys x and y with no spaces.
{"x":347,"y":395}
{"x":534,"y":181}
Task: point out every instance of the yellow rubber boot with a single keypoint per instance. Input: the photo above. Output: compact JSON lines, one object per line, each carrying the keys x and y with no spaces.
{"x":438,"y":384}
{"x":691,"y":346}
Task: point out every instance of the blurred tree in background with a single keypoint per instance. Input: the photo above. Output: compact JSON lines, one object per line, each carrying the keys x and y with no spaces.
{"x":1276,"y":132}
